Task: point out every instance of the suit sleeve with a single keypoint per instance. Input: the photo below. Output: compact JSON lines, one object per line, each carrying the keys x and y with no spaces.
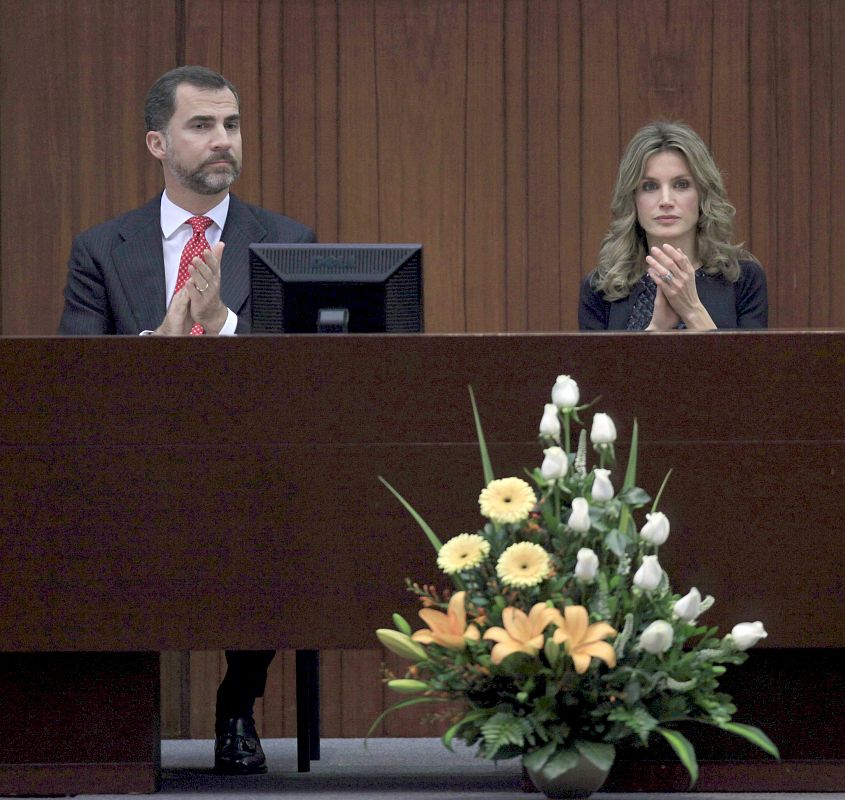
{"x":752,"y":301}
{"x":86,"y":309}
{"x":593,"y":311}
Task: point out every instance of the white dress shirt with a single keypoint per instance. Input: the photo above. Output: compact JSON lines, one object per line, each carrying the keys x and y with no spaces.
{"x":175,"y":233}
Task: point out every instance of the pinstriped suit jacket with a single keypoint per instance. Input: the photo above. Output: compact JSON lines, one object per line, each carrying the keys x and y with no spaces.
{"x":115,"y":279}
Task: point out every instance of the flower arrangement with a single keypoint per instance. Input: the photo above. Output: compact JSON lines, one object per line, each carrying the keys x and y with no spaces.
{"x":561,"y":635}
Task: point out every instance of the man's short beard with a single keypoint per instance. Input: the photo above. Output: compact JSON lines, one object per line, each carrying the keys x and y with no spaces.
{"x":200,"y":181}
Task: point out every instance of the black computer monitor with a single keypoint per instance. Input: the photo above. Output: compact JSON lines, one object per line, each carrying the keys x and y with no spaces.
{"x":333,"y":288}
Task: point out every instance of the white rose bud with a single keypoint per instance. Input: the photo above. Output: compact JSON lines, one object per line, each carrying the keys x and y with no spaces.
{"x":657,"y":637}
{"x":565,"y":392}
{"x":656,"y":530}
{"x":587,"y":564}
{"x":603,"y":431}
{"x":555,"y":463}
{"x":687,"y":608}
{"x":550,"y":424}
{"x":747,"y":634}
{"x":579,"y":519}
{"x":602,"y":487}
{"x":648,"y":576}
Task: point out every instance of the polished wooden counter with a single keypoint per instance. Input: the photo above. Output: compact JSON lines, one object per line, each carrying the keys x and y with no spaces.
{"x":151,"y":488}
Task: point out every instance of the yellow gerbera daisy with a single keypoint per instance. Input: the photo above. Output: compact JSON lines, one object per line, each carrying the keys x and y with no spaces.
{"x":523,"y":564}
{"x":507,"y":500}
{"x":465,"y":551}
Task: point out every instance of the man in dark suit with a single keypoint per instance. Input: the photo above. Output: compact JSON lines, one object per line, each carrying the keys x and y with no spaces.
{"x":179,"y":266}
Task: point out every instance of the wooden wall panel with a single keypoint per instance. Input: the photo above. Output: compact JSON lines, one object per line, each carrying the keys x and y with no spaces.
{"x":834,"y":139}
{"x":516,"y":160}
{"x":543,"y":168}
{"x":490,"y":130}
{"x":484,"y":295}
{"x":73,"y":147}
{"x":422,"y":142}
{"x":601,"y":142}
{"x":729,"y":124}
{"x":569,"y":151}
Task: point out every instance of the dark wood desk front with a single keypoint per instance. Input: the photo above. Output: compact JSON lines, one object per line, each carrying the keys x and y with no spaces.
{"x":146,"y":482}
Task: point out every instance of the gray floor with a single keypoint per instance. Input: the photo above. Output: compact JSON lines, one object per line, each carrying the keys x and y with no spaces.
{"x":388,"y":769}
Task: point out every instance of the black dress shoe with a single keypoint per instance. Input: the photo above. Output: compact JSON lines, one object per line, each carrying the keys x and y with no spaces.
{"x":237,"y":749}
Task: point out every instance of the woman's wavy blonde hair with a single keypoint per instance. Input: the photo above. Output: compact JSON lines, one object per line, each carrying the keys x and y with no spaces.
{"x":622,"y":254}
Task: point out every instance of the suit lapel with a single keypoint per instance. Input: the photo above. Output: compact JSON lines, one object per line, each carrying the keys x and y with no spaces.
{"x":242,"y":229}
{"x":139,"y":262}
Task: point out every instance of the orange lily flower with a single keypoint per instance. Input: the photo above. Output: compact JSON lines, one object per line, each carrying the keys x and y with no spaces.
{"x":584,"y":641}
{"x":523,"y":633}
{"x":449,"y":629}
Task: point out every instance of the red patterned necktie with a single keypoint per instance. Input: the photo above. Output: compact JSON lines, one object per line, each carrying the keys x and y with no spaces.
{"x":195,"y":247}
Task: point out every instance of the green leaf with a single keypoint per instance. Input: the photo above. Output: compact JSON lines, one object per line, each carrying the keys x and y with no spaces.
{"x":502,"y":731}
{"x":754,"y":735}
{"x":634,"y":496}
{"x":412,"y":701}
{"x":600,"y":754}
{"x":683,"y":749}
{"x":450,"y":734}
{"x":631,"y":471}
{"x":660,"y":491}
{"x":616,"y":543}
{"x":561,"y":762}
{"x":537,"y":759}
{"x":482,"y":444}
{"x":432,"y":536}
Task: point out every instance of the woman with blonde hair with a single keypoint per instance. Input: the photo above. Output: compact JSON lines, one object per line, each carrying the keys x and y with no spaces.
{"x":667,"y":261}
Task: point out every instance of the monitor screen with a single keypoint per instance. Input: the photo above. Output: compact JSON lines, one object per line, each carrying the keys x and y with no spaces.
{"x":355,"y":288}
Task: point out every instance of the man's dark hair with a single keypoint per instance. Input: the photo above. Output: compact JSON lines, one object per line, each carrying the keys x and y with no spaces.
{"x":161,"y":99}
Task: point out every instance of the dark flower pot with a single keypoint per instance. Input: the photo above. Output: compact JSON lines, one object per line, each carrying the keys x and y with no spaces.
{"x":582,"y":780}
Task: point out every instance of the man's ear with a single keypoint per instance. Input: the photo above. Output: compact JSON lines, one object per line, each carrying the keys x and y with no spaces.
{"x":156,"y":144}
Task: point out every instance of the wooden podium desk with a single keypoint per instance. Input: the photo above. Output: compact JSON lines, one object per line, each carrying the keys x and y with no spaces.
{"x":146,"y":482}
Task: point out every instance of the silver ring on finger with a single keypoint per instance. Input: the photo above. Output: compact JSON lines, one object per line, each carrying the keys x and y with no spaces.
{"x":668,"y":277}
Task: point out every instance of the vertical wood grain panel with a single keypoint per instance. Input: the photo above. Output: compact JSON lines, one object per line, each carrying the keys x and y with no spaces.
{"x":299,"y":134}
{"x":664,"y":59}
{"x":792,"y":57}
{"x":272,"y":708}
{"x":358,"y":135}
{"x":361,"y":680}
{"x":821,"y":191}
{"x":73,"y":86}
{"x":543,"y":166}
{"x":832,"y":260}
{"x":240,"y":64}
{"x":730,"y":139}
{"x":516,"y":159}
{"x":331,"y":693}
{"x":601,"y":140}
{"x":421,"y":85}
{"x":570,"y":188}
{"x":326,"y":133}
{"x":271,"y":92}
{"x":203,"y":26}
{"x":763,"y":202}
{"x":484,"y":285}
{"x":207,"y":670}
